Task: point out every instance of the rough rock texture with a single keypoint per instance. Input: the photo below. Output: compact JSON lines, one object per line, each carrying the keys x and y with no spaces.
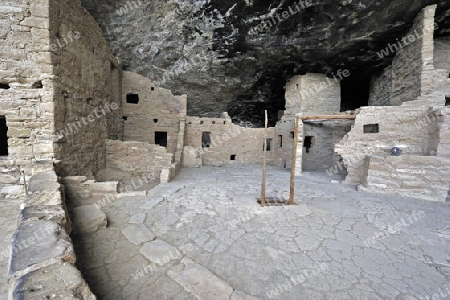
{"x":42,"y":255}
{"x":57,"y":281}
{"x":207,"y":50}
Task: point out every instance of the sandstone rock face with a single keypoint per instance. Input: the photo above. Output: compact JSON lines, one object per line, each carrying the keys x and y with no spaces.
{"x":210,"y":50}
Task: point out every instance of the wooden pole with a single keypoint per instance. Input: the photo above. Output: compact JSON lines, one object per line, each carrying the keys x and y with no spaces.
{"x":263,"y":183}
{"x":294,"y":161}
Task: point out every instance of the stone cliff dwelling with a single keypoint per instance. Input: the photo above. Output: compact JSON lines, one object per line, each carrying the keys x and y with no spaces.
{"x":127,"y":175}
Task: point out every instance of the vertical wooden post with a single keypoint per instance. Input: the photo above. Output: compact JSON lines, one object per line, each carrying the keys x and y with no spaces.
{"x":263,"y":183}
{"x":294,"y":161}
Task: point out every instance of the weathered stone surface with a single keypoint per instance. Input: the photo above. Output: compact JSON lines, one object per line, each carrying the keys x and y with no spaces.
{"x":238,"y":295}
{"x":200,"y":281}
{"x":157,"y":251}
{"x":88,"y":218}
{"x":59,"y":280}
{"x":36,"y":243}
{"x":74,"y":179}
{"x":137,"y":219}
{"x":53,"y":213}
{"x":138,"y":234}
{"x":104,"y":187}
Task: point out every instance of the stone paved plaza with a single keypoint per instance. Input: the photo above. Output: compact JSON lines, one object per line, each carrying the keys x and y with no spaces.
{"x":203,"y":236}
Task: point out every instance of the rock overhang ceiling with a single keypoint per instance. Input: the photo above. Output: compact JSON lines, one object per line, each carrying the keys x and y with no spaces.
{"x":210,"y":50}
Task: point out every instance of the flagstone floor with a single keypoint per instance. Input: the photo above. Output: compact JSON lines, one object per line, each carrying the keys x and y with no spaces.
{"x":203,"y":236}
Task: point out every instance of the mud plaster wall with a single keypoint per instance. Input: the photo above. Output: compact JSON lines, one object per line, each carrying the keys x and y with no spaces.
{"x":227,"y":139}
{"x":158,"y":110}
{"x":86,"y":89}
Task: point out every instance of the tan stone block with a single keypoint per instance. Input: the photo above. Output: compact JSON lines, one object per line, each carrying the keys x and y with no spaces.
{"x":19,"y":132}
{"x":43,"y":148}
{"x":38,"y":22}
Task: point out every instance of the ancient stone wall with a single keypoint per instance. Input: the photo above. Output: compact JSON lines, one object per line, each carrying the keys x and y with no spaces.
{"x":443,"y":132}
{"x":309,"y":95}
{"x":156,"y":113}
{"x":139,"y":158}
{"x":422,"y":177}
{"x":442,"y":53}
{"x":86,"y":89}
{"x":42,"y":251}
{"x":411,"y":72}
{"x":228,"y":143}
{"x":26,"y":91}
{"x":381,"y":88}
{"x":284,"y":133}
{"x":312,"y":94}
{"x":319,"y":139}
{"x":412,"y":67}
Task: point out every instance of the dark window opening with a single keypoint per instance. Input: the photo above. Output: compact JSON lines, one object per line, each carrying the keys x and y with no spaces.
{"x":155,"y":120}
{"x":206,"y":139}
{"x":3,"y":137}
{"x":190,"y":123}
{"x":125,"y":118}
{"x":88,"y":100}
{"x":268,"y":144}
{"x":224,"y":122}
{"x":280,"y":141}
{"x":4,"y":86}
{"x":233,"y":157}
{"x":153,"y":88}
{"x":201,"y":122}
{"x":354,"y":93}
{"x":161,"y":138}
{"x":447,"y":100}
{"x":214,"y":122}
{"x":291,"y":134}
{"x":133,"y":98}
{"x":308,"y":143}
{"x":37,"y":85}
{"x":371,"y":128}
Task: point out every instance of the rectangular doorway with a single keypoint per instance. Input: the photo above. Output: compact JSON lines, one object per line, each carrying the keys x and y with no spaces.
{"x":161,"y":138}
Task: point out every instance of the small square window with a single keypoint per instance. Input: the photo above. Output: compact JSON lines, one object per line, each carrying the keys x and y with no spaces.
{"x":233,"y":157}
{"x":291,"y":134}
{"x":152,"y":88}
{"x":447,"y":100}
{"x":155,"y":120}
{"x":371,"y":128}
{"x":133,"y":98}
{"x":125,"y":118}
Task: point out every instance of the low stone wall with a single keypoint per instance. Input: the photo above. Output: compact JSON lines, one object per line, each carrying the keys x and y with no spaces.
{"x":139,"y":158}
{"x":42,"y":264}
{"x":421,"y":177}
{"x":227,"y":144}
